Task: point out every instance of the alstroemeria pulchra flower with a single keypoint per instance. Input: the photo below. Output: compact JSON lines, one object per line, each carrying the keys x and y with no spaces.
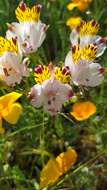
{"x":12,"y":68}
{"x":83,"y":69}
{"x":30,"y":31}
{"x":10,"y":110}
{"x":86,"y":34}
{"x":52,"y":88}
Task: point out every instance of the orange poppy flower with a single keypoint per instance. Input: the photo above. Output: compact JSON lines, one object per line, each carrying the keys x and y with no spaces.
{"x":83,"y":110}
{"x":57,"y":167}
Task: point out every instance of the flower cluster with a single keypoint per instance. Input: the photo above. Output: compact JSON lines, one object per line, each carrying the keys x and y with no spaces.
{"x":81,"y":68}
{"x":21,"y":39}
{"x":86,"y":47}
{"x":53,"y":84}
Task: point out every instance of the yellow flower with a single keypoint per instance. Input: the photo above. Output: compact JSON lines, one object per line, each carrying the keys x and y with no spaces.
{"x":73,"y":22}
{"x":57,"y":167}
{"x":83,"y":110}
{"x":80,"y":4}
{"x":9,"y":109}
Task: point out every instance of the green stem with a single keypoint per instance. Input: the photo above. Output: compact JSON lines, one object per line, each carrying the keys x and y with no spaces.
{"x":22,"y":130}
{"x":42,"y":140}
{"x":66,"y":117}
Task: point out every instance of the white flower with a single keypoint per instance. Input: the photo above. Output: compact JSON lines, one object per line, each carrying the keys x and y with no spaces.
{"x":30,"y":31}
{"x":86,"y":34}
{"x":12,"y":68}
{"x":83,"y":72}
{"x":51,"y":93}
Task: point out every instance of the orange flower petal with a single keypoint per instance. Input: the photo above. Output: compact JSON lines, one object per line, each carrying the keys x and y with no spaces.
{"x":50,"y":173}
{"x":83,"y":110}
{"x":66,"y":160}
{"x":57,"y":167}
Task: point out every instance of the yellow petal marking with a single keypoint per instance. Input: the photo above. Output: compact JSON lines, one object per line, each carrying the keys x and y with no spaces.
{"x":44,"y":75}
{"x":63,"y":77}
{"x":86,"y":53}
{"x":7,"y":46}
{"x":28,"y":14}
{"x":89,"y":28}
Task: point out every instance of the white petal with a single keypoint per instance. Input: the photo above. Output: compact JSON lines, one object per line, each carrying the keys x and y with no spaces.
{"x":14,"y":68}
{"x":74,"y":37}
{"x":88,"y":75}
{"x":68,"y":60}
{"x":30,"y":35}
{"x":55,"y":94}
{"x":100,"y":49}
{"x":36,"y":96}
{"x":86,"y":40}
